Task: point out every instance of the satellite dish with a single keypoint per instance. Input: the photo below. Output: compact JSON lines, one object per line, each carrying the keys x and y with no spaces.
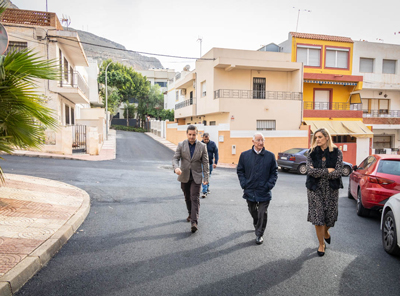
{"x":186,"y":68}
{"x":3,"y":39}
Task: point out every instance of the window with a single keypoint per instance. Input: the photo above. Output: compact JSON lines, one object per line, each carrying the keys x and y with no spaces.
{"x":67,"y":115}
{"x":321,"y":99}
{"x":383,"y":106}
{"x":177,"y":96}
{"x":266,"y":125}
{"x":375,"y":107}
{"x":258,"y":88}
{"x":366,"y":65}
{"x":391,"y":167}
{"x":344,"y":139}
{"x":66,"y":69}
{"x":389,"y":67}
{"x":72,"y":116}
{"x":14,"y":46}
{"x":213,"y":123}
{"x":337,"y":58}
{"x":203,"y":89}
{"x":161,"y":84}
{"x":309,"y":55}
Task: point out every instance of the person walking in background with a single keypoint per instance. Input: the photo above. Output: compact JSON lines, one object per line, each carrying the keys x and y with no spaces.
{"x":193,"y":158}
{"x":257,"y":172}
{"x":324,"y":178}
{"x":212,"y":150}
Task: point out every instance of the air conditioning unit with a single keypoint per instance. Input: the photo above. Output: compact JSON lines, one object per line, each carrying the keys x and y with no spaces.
{"x":183,"y":92}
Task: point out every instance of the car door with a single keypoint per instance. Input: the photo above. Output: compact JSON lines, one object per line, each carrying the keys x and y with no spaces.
{"x":356,"y":176}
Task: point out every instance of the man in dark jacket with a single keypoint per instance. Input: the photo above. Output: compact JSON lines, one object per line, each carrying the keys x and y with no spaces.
{"x":257,"y":171}
{"x":212,"y":150}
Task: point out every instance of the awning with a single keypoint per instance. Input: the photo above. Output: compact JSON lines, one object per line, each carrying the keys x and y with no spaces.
{"x":330,"y":82}
{"x":355,"y":98}
{"x":336,"y":128}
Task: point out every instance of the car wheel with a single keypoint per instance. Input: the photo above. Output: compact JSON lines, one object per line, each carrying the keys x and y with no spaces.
{"x":389,"y":234}
{"x":361,"y":211}
{"x":346,"y":171}
{"x":302,"y":169}
{"x":349,"y":192}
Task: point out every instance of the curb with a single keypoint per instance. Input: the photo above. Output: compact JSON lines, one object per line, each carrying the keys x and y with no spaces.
{"x":13,"y":280}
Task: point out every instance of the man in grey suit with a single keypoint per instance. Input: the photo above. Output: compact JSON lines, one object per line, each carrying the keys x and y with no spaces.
{"x":192,"y":154}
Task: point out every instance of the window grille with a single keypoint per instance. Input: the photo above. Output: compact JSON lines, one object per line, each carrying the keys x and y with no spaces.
{"x":266,"y":125}
{"x":14,"y":46}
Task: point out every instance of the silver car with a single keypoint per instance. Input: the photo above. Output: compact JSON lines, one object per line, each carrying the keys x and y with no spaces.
{"x":390,"y":225}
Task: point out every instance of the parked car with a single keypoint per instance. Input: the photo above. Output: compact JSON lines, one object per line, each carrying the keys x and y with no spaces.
{"x":390,"y":225}
{"x":374,"y":181}
{"x":295,"y":159}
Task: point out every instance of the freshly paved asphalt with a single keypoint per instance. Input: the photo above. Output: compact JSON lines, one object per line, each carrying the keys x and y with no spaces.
{"x":135,"y":240}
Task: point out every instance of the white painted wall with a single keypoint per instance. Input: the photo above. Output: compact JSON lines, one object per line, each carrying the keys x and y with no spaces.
{"x":362,"y":149}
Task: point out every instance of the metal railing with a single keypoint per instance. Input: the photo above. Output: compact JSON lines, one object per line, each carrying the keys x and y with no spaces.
{"x":382,"y":113}
{"x":74,"y":80}
{"x":185,"y":103}
{"x":254,"y":94}
{"x":78,"y":138}
{"x":332,"y":106}
{"x":385,"y":151}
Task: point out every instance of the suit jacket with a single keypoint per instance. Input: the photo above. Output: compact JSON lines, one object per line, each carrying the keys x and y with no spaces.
{"x":200,"y":157}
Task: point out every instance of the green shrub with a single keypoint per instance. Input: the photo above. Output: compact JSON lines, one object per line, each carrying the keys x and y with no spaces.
{"x":128,"y":128}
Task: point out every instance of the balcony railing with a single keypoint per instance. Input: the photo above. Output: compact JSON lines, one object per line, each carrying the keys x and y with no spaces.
{"x":185,"y":103}
{"x":75,"y":80}
{"x":255,"y":94}
{"x":382,"y":113}
{"x":331,"y":106}
{"x":30,"y":18}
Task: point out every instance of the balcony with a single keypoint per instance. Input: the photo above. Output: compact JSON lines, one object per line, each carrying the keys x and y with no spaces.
{"x":185,"y":103}
{"x":258,"y":95}
{"x":31,"y":18}
{"x":381,"y":113}
{"x":186,"y":108}
{"x":332,"y":110}
{"x":381,"y":116}
{"x":73,"y":87}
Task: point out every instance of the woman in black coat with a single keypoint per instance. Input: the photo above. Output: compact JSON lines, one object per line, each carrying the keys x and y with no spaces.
{"x":324,"y":178}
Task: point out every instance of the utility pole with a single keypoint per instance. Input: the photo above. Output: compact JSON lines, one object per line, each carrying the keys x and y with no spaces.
{"x":201,"y":40}
{"x":298,"y":15}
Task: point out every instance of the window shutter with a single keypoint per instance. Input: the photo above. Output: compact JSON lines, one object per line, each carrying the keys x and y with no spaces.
{"x":389,"y":67}
{"x":366,"y":65}
{"x":314,"y":57}
{"x":330,"y":58}
{"x":302,"y":55}
{"x":342,"y":57}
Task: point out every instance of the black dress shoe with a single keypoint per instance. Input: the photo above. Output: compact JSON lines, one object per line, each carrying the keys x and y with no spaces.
{"x":320,"y":254}
{"x":328,"y":240}
{"x":259,"y":240}
{"x":194,"y":228}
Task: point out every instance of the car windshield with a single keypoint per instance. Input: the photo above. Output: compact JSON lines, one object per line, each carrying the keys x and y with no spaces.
{"x":293,"y":150}
{"x":391,"y":167}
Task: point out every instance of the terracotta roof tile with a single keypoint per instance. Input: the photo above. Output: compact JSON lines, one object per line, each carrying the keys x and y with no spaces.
{"x":321,"y":37}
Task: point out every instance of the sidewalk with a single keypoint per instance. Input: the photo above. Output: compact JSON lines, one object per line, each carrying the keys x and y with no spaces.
{"x":37,"y":217}
{"x":108,"y":152}
{"x":172,"y":146}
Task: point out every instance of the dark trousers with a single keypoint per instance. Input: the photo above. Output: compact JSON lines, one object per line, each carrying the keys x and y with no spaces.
{"x":191,"y":190}
{"x":259,"y":212}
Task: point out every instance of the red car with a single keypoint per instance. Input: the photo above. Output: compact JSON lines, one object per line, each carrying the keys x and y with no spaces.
{"x":375,"y":180}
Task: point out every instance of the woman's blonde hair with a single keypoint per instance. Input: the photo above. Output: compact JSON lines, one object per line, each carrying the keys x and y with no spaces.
{"x":326,"y":134}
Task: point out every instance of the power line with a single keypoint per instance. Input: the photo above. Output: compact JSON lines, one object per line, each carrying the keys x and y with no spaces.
{"x":128,"y":50}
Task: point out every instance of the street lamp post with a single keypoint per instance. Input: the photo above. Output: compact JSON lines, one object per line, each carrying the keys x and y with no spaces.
{"x":107,"y":102}
{"x":107,"y":99}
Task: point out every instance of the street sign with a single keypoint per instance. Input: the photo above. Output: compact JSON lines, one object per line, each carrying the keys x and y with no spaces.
{"x":3,"y":39}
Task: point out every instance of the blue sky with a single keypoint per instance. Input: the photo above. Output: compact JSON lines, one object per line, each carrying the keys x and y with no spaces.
{"x":172,"y":27}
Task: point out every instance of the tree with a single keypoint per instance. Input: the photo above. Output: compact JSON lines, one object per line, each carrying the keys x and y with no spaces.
{"x":24,"y":116}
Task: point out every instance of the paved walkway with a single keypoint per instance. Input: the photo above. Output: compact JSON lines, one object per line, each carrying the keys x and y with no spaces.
{"x":172,"y":146}
{"x":37,"y":216}
{"x":108,"y":152}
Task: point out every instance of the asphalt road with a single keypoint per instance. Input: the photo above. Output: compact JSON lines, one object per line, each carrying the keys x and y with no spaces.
{"x":136,"y":241}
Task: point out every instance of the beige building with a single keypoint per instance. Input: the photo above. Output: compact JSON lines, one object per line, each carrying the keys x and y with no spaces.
{"x":69,"y":97}
{"x":234,"y":93}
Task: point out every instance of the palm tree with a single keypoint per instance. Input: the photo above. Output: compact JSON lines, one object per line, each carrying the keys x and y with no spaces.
{"x":24,"y":116}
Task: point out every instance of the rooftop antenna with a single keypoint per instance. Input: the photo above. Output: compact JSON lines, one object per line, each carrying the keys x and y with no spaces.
{"x":66,"y":21}
{"x":298,"y":15}
{"x":201,"y":40}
